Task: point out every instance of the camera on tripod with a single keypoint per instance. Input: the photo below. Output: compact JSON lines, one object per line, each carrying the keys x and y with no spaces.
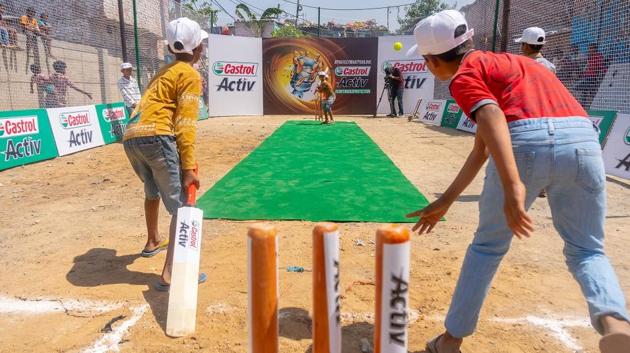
{"x":388,"y":77}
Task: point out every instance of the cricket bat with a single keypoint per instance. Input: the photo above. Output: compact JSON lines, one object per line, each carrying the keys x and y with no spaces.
{"x":182,"y":298}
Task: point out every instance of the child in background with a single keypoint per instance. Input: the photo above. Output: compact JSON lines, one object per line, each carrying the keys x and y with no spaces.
{"x":45,"y":31}
{"x":327,"y":95}
{"x":41,"y":81}
{"x":160,"y":138}
{"x":8,"y":36}
{"x":61,"y":82}
{"x":538,"y":137}
{"x":31,"y":30}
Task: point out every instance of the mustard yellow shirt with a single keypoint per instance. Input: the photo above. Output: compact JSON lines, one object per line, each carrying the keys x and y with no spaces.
{"x":170,"y":106}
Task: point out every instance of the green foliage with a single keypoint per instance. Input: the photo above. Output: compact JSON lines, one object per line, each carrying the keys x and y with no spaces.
{"x":419,"y":10}
{"x":245,"y":14}
{"x":200,"y":11}
{"x":287,"y":31}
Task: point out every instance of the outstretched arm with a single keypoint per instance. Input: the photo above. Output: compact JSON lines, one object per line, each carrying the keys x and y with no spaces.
{"x":431,"y":215}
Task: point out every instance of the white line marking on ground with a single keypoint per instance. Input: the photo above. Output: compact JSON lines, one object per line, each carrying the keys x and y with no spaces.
{"x":45,"y":306}
{"x":109,"y":342}
{"x":558,"y":327}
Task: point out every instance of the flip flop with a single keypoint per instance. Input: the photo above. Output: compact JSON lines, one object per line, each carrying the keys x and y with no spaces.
{"x":615,"y":343}
{"x":163,"y":287}
{"x":433,"y":344}
{"x":155,"y":251}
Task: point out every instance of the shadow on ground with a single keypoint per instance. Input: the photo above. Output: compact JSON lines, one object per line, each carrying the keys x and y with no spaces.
{"x":296,"y":324}
{"x":100,"y":267}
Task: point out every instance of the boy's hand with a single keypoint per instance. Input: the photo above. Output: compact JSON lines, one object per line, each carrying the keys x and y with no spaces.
{"x":190,"y":178}
{"x":515,"y":214}
{"x":430,"y":215}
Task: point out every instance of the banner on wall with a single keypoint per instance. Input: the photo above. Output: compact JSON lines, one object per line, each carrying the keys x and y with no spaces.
{"x":466,"y":124}
{"x":291,"y":67}
{"x":617,"y":149}
{"x":235,"y":76}
{"x":604,"y":120}
{"x":418,"y":81}
{"x":452,"y":114}
{"x":25,"y":137}
{"x":75,"y":128}
{"x":112,"y":119}
{"x":432,"y":112}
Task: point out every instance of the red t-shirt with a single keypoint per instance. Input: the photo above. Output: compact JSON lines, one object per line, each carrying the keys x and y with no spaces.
{"x":520,"y":86}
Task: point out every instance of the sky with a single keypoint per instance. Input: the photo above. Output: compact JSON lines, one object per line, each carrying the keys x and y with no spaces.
{"x":337,"y":16}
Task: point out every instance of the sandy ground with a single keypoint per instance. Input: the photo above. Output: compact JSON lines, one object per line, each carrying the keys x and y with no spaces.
{"x":71,"y":228}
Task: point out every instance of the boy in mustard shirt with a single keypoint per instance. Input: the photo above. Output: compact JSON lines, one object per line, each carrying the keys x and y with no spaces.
{"x":160,"y":138}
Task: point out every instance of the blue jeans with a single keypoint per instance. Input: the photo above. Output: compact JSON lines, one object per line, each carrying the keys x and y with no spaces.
{"x":4,"y":36}
{"x":562,"y":156}
{"x":155,"y":160}
{"x":396,"y":95}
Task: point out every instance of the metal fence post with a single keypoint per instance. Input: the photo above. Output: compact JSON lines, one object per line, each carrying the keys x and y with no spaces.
{"x":123,"y":33}
{"x":135,"y":35}
{"x":505,"y":27}
{"x":496,"y":27}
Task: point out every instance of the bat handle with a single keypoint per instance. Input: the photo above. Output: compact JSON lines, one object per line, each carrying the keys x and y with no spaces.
{"x":192,"y":190}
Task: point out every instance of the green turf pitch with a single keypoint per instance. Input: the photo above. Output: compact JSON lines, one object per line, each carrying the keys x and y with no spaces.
{"x":308,"y":171}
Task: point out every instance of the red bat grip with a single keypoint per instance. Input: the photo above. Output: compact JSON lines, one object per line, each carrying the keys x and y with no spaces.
{"x":192,"y":190}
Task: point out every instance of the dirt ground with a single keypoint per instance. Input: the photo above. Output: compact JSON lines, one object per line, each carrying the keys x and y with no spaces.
{"x":72,"y":228}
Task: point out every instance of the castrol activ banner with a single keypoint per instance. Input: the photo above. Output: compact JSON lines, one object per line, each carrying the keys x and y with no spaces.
{"x":75,"y":128}
{"x":235,"y":76}
{"x":418,"y":82}
{"x":291,"y":67}
{"x":617,"y":148}
{"x":432,"y":111}
{"x":113,"y":121}
{"x":25,"y":137}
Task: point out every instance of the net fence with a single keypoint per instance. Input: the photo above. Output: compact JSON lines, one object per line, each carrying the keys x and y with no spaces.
{"x":66,"y":53}
{"x":588,"y":41}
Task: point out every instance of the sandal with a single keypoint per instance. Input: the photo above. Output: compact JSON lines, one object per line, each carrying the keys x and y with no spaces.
{"x":155,"y":251}
{"x":615,"y":343}
{"x":163,"y":287}
{"x":432,"y":345}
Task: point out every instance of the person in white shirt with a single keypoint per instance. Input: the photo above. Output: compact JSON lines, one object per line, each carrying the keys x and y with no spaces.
{"x":532,"y":43}
{"x":128,"y":87}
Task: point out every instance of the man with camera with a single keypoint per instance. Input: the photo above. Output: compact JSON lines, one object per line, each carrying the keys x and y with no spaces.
{"x":395,"y":84}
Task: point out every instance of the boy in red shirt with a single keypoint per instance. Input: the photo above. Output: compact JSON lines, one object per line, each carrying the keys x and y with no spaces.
{"x":538,"y":137}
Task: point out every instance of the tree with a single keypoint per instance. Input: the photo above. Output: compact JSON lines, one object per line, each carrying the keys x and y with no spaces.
{"x":287,"y":31}
{"x":201,"y":11}
{"x":419,"y":10}
{"x":256,"y":24}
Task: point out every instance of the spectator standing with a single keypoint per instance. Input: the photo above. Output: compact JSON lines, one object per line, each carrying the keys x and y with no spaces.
{"x":8,"y":36}
{"x":592,"y":77}
{"x":45,"y":30}
{"x":41,"y":81}
{"x":31,"y":30}
{"x":128,"y":87}
{"x":395,"y":91}
{"x":532,"y":42}
{"x":61,"y":82}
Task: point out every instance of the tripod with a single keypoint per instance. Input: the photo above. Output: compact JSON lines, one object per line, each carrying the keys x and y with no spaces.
{"x":380,"y":99}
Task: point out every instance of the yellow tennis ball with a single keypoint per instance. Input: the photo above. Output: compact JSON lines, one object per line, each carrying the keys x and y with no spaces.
{"x":398,"y":46}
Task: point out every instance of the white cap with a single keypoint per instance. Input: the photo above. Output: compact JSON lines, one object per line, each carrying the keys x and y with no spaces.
{"x":322,"y":73}
{"x":124,"y":66}
{"x":533,"y":36}
{"x":183,"y":35}
{"x":436,"y":34}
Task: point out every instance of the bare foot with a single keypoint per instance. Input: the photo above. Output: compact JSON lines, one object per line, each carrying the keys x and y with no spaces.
{"x":152,"y":245}
{"x":616,"y":335}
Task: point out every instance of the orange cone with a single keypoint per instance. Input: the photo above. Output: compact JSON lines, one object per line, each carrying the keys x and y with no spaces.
{"x":326,"y":305}
{"x":262,"y":273}
{"x":392,"y":294}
